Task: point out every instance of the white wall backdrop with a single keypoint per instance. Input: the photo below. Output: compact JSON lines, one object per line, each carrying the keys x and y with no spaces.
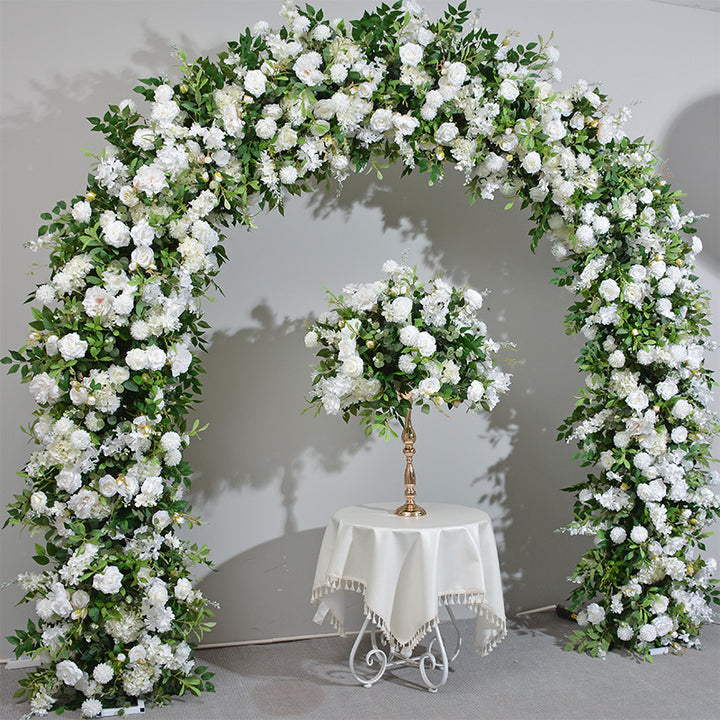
{"x":268,"y":478}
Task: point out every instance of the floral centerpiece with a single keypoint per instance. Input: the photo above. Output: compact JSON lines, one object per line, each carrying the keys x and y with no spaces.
{"x":394,"y":343}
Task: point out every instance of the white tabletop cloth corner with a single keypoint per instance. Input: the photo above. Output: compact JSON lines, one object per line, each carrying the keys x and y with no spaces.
{"x":406,"y":568}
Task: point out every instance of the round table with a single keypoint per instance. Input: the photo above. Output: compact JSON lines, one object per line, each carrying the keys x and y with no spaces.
{"x":406,"y":569}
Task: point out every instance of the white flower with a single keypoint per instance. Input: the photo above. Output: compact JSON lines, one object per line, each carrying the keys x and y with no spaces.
{"x":144,"y":138}
{"x":381,"y":120}
{"x":161,"y":519}
{"x":637,"y":400}
{"x":38,"y":501}
{"x":667,"y":389}
{"x":475,"y":391}
{"x":406,"y":364}
{"x":44,"y":389}
{"x":68,"y":672}
{"x":81,"y":211}
{"x":109,"y":581}
{"x":72,"y":347}
{"x":681,"y":409}
{"x":411,"y":54}
{"x":399,"y":310}
{"x":288,"y":174}
{"x":157,"y":594}
{"x":307,"y":70}
{"x":107,"y":485}
{"x":429,"y":386}
{"x":136,"y":359}
{"x":103,"y":673}
{"x":532,"y":162}
{"x":117,"y":234}
{"x":508,"y":89}
{"x":150,"y":179}
{"x":91,"y":708}
{"x":254,"y":82}
{"x":639,"y":534}
{"x":425,"y":344}
{"x":595,"y":613}
{"x":352,"y":367}
{"x":183,"y":588}
{"x":331,"y":403}
{"x":618,"y":535}
{"x":311,"y":339}
{"x":456,"y":73}
{"x":79,"y":599}
{"x":446,"y":133}
{"x":647,"y":633}
{"x":609,"y":290}
{"x":405,"y":124}
{"x":265,"y":128}
{"x":286,"y":138}
{"x":663,"y":625}
{"x":84,"y":503}
{"x":624,"y":632}
{"x":616,"y":359}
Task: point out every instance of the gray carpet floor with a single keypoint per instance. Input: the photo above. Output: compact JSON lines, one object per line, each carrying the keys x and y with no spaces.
{"x":527,"y":677}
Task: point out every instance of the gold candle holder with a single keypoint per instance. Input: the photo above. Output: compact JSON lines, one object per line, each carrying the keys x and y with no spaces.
{"x":409,"y":509}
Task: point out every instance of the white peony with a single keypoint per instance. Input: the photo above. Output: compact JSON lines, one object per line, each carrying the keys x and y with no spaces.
{"x":150,"y":179}
{"x":81,"y":211}
{"x":44,"y":389}
{"x":136,"y":359}
{"x":307,"y":70}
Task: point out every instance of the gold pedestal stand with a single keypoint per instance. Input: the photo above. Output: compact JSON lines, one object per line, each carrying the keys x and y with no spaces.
{"x":409,"y":509}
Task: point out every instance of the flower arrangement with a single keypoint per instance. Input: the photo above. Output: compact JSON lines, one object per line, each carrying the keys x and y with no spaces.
{"x":389,"y":344}
{"x":110,"y":356}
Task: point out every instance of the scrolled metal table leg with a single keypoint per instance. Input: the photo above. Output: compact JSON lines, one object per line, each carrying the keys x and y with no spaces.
{"x":370,"y":657}
{"x":429,"y":657}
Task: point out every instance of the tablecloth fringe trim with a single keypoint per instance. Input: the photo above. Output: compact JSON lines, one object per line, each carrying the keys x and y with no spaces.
{"x":473,"y":601}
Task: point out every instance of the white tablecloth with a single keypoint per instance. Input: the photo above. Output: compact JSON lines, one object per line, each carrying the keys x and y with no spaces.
{"x":406,"y":568}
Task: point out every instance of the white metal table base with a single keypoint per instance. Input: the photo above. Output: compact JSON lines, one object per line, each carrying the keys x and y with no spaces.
{"x":391,"y":658}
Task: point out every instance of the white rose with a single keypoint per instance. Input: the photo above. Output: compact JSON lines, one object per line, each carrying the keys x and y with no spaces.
{"x":426,"y":344}
{"x":307,"y":70}
{"x":79,"y":599}
{"x":68,"y":480}
{"x":381,"y":120}
{"x":254,"y":82}
{"x":68,"y":672}
{"x":405,"y":124}
{"x":446,"y":133}
{"x":142,"y":256}
{"x":616,"y":359}
{"x":331,"y":403}
{"x":411,"y":54}
{"x":311,"y":339}
{"x":149,"y":179}
{"x":38,"y":501}
{"x":107,"y":485}
{"x":637,"y":400}
{"x":595,"y":613}
{"x":456,"y":73}
{"x":508,"y":89}
{"x":633,"y":293}
{"x":183,"y":588}
{"x":286,"y":138}
{"x":681,"y":409}
{"x":83,"y":503}
{"x":352,"y":367}
{"x":679,"y":434}
{"x":82,"y":211}
{"x":475,"y":391}
{"x":165,"y":112}
{"x":429,"y":386}
{"x":109,"y":581}
{"x":532,"y":162}
{"x":400,"y":309}
{"x":157,"y":594}
{"x":265,"y":128}
{"x":117,"y":234}
{"x":71,"y":347}
{"x":144,"y":138}
{"x":609,"y":290}
{"x":136,"y":359}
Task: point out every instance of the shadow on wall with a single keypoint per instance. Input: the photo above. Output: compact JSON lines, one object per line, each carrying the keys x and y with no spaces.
{"x":260,"y":437}
{"x":254,"y":380}
{"x":692,"y":148}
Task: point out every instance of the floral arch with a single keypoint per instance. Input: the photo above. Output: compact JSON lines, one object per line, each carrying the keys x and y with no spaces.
{"x":111,"y":365}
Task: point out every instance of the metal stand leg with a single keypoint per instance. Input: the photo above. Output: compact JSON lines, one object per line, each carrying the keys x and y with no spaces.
{"x":434,"y":656}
